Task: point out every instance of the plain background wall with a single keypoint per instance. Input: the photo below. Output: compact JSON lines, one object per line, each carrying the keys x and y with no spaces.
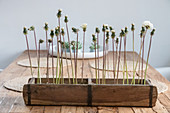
{"x":15,"y":14}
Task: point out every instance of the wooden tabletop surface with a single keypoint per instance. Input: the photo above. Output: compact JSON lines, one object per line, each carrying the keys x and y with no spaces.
{"x":12,"y":102}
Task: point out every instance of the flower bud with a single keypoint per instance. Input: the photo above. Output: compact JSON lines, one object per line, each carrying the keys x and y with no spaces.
{"x":133,"y":27}
{"x":56,"y":31}
{"x":152,"y":32}
{"x":117,"y":40}
{"x":52,"y":33}
{"x":97,"y":30}
{"x":49,"y":40}
{"x":94,"y":38}
{"x":84,"y":27}
{"x":110,"y":28}
{"x":59,"y":13}
{"x":66,"y":19}
{"x":25,"y":31}
{"x":32,"y":28}
{"x":113,"y":34}
{"x":41,"y":41}
{"x":46,"y":26}
{"x":62,"y":31}
{"x":107,"y":33}
{"x":126,"y":31}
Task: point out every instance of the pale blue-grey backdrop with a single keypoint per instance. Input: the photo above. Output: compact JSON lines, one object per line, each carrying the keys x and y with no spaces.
{"x":15,"y":14}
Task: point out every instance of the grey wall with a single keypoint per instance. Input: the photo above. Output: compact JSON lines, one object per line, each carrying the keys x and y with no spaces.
{"x":14,"y":14}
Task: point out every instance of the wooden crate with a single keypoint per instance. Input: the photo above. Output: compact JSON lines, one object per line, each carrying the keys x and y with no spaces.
{"x":89,"y":93}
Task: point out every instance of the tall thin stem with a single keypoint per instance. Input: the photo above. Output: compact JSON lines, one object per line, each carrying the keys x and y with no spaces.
{"x":116,"y":62}
{"x":83,"y":56}
{"x":48,"y":63}
{"x":58,"y":61}
{"x":147,"y":59}
{"x":29,"y":55}
{"x":38,"y":81}
{"x":74,"y":59}
{"x":61,"y":63}
{"x":107,"y":59}
{"x":113,"y":58}
{"x":143,"y":55}
{"x":103,"y":58}
{"x":133,"y":57}
{"x":126,"y":61}
{"x":124,"y":65}
{"x":119,"y":58}
{"x":46,"y":40}
{"x":66,"y":60}
{"x":35,"y":43}
{"x":76,"y":56}
{"x":70,"y":52}
{"x":139,"y":66}
{"x":95,"y":64}
{"x":52,"y":61}
{"x":98,"y":56}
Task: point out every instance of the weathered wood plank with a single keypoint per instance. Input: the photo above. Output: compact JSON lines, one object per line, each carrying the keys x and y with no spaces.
{"x":52,"y":109}
{"x":108,"y":110}
{"x":68,"y":109}
{"x":37,"y":109}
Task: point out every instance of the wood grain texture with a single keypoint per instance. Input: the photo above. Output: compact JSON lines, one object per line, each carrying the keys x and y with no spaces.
{"x":15,"y":103}
{"x":108,"y":94}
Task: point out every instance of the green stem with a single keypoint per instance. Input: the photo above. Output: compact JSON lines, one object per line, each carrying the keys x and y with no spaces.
{"x":133,"y":59}
{"x":58,"y":56}
{"x":96,"y":65}
{"x":147,"y":59}
{"x":70,"y":52}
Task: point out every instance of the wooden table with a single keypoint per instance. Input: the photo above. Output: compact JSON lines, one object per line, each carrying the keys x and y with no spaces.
{"x":12,"y":102}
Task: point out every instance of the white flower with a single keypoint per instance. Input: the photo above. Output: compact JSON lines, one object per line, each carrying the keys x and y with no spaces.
{"x":107,"y":30}
{"x":106,"y":25}
{"x":84,"y":26}
{"x":62,"y":28}
{"x":60,"y":10}
{"x":112,"y":31}
{"x":147,"y":24}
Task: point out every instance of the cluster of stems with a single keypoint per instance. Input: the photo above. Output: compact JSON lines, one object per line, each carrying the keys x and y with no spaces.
{"x":116,"y":44}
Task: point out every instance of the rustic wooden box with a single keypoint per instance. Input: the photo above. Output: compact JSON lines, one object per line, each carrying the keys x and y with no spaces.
{"x":89,"y":93}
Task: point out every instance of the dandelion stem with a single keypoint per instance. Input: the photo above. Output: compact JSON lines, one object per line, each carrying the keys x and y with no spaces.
{"x":119,"y":58}
{"x":83,"y":56}
{"x":113,"y":58}
{"x":29,"y":55}
{"x":103,"y":57}
{"x":70,"y":52}
{"x":66,"y":60}
{"x":76,"y":56}
{"x":58,"y":60}
{"x":147,"y":59}
{"x":98,"y":56}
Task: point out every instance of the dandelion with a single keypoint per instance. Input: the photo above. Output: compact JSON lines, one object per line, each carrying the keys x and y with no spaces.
{"x":104,"y":30}
{"x":40,"y":42}
{"x":58,"y":53}
{"x":151,"y":34}
{"x":98,"y":31}
{"x":76,"y":32}
{"x":49,"y":42}
{"x":63,"y":33}
{"x":94,"y":41}
{"x":25,"y":32}
{"x":46,"y":30}
{"x":122,"y":34}
{"x":52,"y":36}
{"x":66,"y":21}
{"x":84,"y":27}
{"x":113,"y":38}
